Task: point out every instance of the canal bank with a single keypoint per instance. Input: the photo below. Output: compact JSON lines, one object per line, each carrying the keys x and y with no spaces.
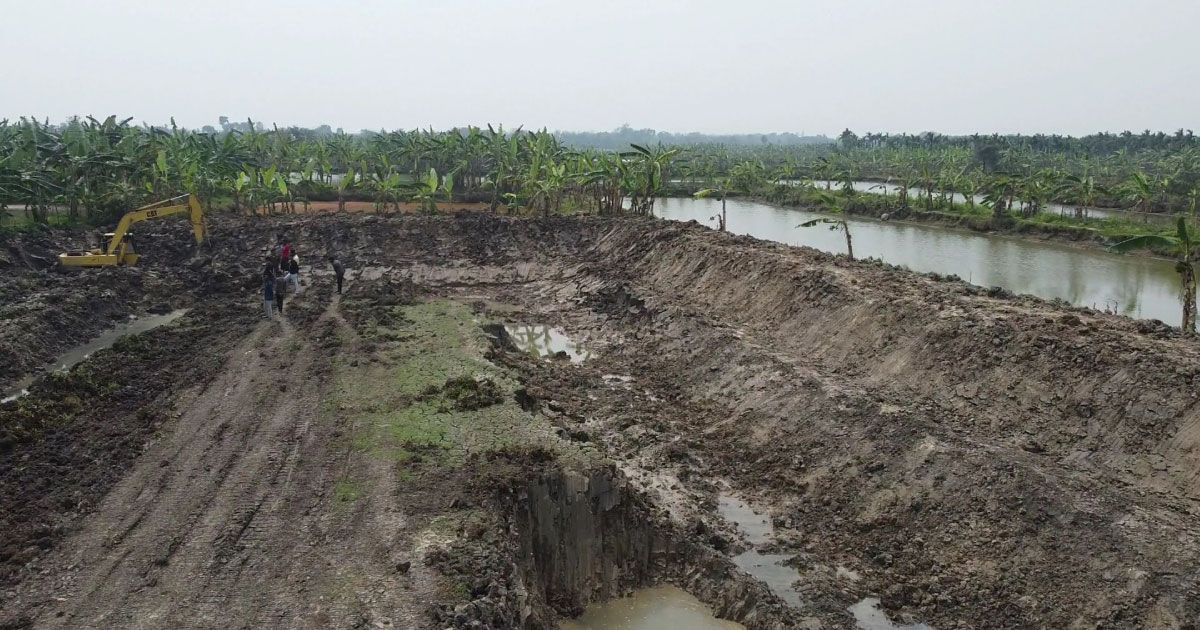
{"x":1142,"y":287}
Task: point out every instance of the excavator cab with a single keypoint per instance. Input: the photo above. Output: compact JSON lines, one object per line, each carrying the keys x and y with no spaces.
{"x":120,"y":251}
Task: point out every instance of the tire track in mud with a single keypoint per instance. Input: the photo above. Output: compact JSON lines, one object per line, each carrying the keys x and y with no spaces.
{"x":231,"y":519}
{"x":174,"y":518}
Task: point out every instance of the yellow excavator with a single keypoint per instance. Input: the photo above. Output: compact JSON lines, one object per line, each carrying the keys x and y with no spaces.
{"x":120,"y":244}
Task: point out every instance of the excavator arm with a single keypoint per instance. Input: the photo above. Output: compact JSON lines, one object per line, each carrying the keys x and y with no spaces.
{"x":119,"y":250}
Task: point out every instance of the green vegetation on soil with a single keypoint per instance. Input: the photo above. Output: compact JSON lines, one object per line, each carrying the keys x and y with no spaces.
{"x":429,"y":394}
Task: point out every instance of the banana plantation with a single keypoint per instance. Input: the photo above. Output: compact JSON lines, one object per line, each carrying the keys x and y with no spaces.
{"x":93,"y":170}
{"x":1147,"y":174}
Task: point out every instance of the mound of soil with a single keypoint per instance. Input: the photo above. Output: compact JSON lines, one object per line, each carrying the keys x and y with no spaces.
{"x":466,"y":393}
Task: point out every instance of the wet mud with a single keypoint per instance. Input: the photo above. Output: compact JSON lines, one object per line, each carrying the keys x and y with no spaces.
{"x":906,"y":448}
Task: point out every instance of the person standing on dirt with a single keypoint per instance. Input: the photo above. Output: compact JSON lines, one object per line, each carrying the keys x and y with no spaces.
{"x":285,"y":254}
{"x":339,"y":271}
{"x":294,"y":273}
{"x":280,"y":288}
{"x":268,"y":283}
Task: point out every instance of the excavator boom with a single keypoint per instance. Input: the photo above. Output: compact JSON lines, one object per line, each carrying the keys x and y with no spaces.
{"x":119,"y":250}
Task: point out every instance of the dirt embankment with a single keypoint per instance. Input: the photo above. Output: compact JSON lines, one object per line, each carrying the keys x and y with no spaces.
{"x":964,"y":456}
{"x":1033,"y":464}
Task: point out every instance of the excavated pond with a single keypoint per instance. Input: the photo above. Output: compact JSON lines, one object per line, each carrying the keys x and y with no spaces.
{"x":924,"y":448}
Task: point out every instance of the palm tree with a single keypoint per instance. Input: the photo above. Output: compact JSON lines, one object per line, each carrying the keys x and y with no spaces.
{"x":1185,"y":251}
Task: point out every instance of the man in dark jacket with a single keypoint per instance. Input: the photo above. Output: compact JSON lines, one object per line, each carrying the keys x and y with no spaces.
{"x":280,"y":289}
{"x":268,"y":283}
{"x":339,"y":271}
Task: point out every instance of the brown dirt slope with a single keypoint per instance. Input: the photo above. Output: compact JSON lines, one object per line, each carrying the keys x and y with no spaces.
{"x":1031,"y":463}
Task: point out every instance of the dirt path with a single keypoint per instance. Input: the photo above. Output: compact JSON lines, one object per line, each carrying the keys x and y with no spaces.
{"x":237,"y":514}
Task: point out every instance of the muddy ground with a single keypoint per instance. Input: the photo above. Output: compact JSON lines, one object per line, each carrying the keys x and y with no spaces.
{"x":388,"y":457}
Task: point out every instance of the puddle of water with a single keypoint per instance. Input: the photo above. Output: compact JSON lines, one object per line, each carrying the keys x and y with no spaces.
{"x":869,"y":616}
{"x":544,"y":342}
{"x":68,"y":359}
{"x":658,"y":608}
{"x":849,"y":574}
{"x":756,"y":527}
{"x":768,"y":568}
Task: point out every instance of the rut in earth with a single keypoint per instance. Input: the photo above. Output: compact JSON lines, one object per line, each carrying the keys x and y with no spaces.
{"x":234,"y":516}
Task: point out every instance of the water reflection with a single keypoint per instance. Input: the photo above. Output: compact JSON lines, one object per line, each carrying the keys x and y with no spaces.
{"x":868,"y":616}
{"x":545,"y":342}
{"x":769,"y":568}
{"x":1136,"y":286}
{"x":892,"y":190}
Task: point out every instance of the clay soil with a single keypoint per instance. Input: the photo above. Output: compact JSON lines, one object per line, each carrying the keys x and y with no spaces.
{"x":389,"y":457}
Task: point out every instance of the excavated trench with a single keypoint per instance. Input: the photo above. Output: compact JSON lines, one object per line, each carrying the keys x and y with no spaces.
{"x":793,"y":439}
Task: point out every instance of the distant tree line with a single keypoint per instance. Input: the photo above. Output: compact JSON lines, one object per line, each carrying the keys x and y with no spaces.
{"x":621,"y":138}
{"x":1097,"y":144}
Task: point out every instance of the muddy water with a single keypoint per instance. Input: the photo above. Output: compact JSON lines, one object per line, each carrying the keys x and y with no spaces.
{"x":1136,"y":286}
{"x":544,"y":341}
{"x":766,"y":567}
{"x":68,"y":359}
{"x":658,"y":608}
{"x":771,"y":569}
{"x":868,"y":616}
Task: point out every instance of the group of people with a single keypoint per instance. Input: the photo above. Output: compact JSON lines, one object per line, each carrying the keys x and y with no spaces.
{"x":281,"y":273}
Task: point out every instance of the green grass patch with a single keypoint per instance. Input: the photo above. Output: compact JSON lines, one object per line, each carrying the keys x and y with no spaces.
{"x":432,"y":396}
{"x":346,"y":491}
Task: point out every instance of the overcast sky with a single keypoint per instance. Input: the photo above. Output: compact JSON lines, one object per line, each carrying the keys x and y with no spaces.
{"x":954,"y":66}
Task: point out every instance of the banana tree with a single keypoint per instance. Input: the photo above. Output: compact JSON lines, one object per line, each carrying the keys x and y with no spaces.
{"x":343,"y":186}
{"x":425,"y":191}
{"x":1084,"y":189}
{"x":721,"y":190}
{"x":388,"y":191}
{"x":969,"y":184}
{"x":1139,"y":190}
{"x":830,"y":203}
{"x":1185,"y":251}
{"x":648,"y":165}
{"x":999,"y":196}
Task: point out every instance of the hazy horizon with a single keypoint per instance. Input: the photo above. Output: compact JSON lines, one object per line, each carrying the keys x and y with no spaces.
{"x":1068,"y":67}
